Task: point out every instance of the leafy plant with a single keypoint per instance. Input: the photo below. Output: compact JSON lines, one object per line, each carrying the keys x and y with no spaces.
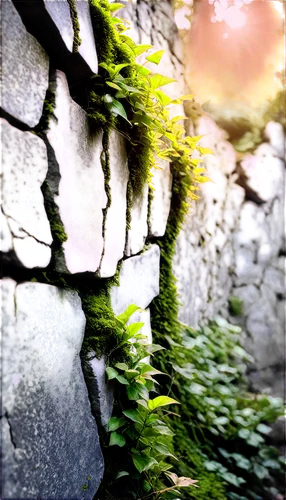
{"x":226,"y":424}
{"x":138,"y":424}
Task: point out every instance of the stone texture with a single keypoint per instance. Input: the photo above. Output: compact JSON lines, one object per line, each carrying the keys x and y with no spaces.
{"x":161,"y":202}
{"x":99,"y":389}
{"x":115,"y":223}
{"x":50,"y":439}
{"x":265,"y":172}
{"x":139,"y":281}
{"x":138,"y":231}
{"x":25,"y":68}
{"x":59,"y":11}
{"x":87,"y":47}
{"x":81,"y":197}
{"x":24,"y":170}
{"x":274,"y":133}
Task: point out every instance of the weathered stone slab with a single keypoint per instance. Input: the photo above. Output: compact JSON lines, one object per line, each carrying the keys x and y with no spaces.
{"x":25,"y":167}
{"x":274,"y":133}
{"x":265,"y":172}
{"x":87,"y":47}
{"x":115,"y":222}
{"x":59,"y":11}
{"x":161,"y":202}
{"x":139,"y":281}
{"x":82,"y":195}
{"x":50,"y":441}
{"x":99,"y":389}
{"x":138,"y":227}
{"x":25,"y":67}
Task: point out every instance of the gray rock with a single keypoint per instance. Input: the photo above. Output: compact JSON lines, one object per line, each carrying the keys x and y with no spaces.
{"x":274,"y":133}
{"x":50,"y":441}
{"x":99,"y":389}
{"x":161,"y":201}
{"x":87,"y":47}
{"x":138,"y":227}
{"x":82,"y":195}
{"x":25,"y":167}
{"x":25,"y":68}
{"x":265,"y":172}
{"x":115,"y":223}
{"x":139,"y":281}
{"x":59,"y":11}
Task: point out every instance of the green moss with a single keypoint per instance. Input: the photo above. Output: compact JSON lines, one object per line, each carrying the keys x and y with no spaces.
{"x":75,"y":24}
{"x":102,"y":330}
{"x":48,"y":110}
{"x":57,"y":227}
{"x":235,"y":306}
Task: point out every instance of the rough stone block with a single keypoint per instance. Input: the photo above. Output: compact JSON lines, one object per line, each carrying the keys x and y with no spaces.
{"x":99,"y":389}
{"x":161,"y":202}
{"x":265,"y":172}
{"x":138,"y":227}
{"x":25,"y":167}
{"x":82,"y":196}
{"x":139,"y":281}
{"x":115,"y":222}
{"x":274,"y":133}
{"x":60,"y":14}
{"x":50,"y":440}
{"x":87,"y":47}
{"x":59,"y":11}
{"x":25,"y":67}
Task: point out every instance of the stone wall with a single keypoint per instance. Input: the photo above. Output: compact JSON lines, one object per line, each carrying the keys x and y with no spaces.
{"x":53,"y":224}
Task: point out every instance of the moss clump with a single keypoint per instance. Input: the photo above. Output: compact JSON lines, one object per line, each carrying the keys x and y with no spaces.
{"x":235,"y":306}
{"x":75,"y":24}
{"x":57,"y":227}
{"x":48,"y":110}
{"x":102,"y":330}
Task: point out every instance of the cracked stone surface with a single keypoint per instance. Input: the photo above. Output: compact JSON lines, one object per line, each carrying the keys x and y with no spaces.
{"x":26,"y":230}
{"x":82,"y":196}
{"x":139,"y":281}
{"x":60,"y":14}
{"x":87,"y":47}
{"x":25,"y":68}
{"x":161,"y":202}
{"x":115,"y":223}
{"x":138,"y":231}
{"x":50,"y":438}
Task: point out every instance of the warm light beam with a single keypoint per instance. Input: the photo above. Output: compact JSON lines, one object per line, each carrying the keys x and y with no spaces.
{"x":234,"y":17}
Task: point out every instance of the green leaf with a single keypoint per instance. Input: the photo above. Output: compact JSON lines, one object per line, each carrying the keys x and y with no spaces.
{"x":137,"y":391}
{"x":148,"y":369}
{"x":142,"y":70}
{"x":163,"y":98}
{"x":113,"y":7}
{"x":232,"y":478}
{"x":221,"y":421}
{"x":133,"y":329}
{"x":116,"y":108}
{"x":129,"y":374}
{"x":113,"y":85}
{"x":157,"y":81}
{"x":260,"y":471}
{"x":241,"y":461}
{"x":244,"y":433}
{"x":164,"y":430}
{"x":160,"y":401}
{"x":143,"y":403}
{"x":255,"y":439}
{"x":264,"y":429}
{"x":162,"y":449}
{"x":122,"y":474}
{"x":111,"y":373}
{"x":134,"y":415}
{"x":122,"y":380}
{"x":187,"y":97}
{"x":124,"y":317}
{"x":121,"y":366}
{"x":156,"y":56}
{"x":115,"y":423}
{"x":142,"y":462}
{"x":116,"y":439}
{"x":140,"y":49}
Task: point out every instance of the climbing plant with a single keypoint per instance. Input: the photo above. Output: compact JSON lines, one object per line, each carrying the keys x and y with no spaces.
{"x":137,"y":424}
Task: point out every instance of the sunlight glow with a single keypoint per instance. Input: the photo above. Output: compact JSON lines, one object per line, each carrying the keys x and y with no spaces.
{"x":234,"y":18}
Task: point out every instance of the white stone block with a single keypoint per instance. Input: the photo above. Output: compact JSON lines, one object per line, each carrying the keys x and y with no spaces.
{"x":138,"y":227}
{"x":161,"y":201}
{"x":87,"y":47}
